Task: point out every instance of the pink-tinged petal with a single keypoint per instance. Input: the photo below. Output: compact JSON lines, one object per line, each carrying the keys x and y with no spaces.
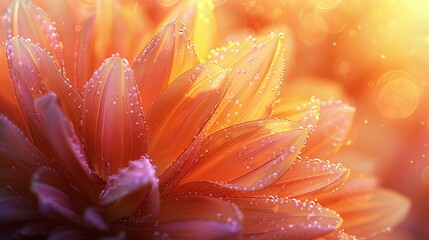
{"x":192,"y":216}
{"x":201,"y":24}
{"x":15,"y":147}
{"x":167,"y":56}
{"x":370,"y":213}
{"x":34,"y":230}
{"x":94,"y":218}
{"x":57,"y":198}
{"x":302,"y":110}
{"x":277,"y":218}
{"x":257,"y":66}
{"x":70,"y":154}
{"x":332,"y":129}
{"x":252,"y":155}
{"x":114,"y":130}
{"x":35,"y":70}
{"x":70,"y":232}
{"x":305,"y":178}
{"x":194,"y":229}
{"x":338,"y":235}
{"x":113,"y":28}
{"x":182,"y":110}
{"x":30,"y":115}
{"x":26,"y":20}
{"x":132,"y":195}
{"x":15,"y":208}
{"x":66,"y":233}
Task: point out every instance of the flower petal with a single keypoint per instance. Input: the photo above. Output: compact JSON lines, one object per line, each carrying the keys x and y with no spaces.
{"x":167,"y":56}
{"x":58,"y":200}
{"x":15,"y":177}
{"x":26,"y":105}
{"x":305,"y":178}
{"x":302,"y":110}
{"x":257,"y":66}
{"x":369,"y":213}
{"x":113,"y":28}
{"x":69,"y":15}
{"x":182,"y":110}
{"x":15,"y":208}
{"x":332,"y":129}
{"x":114,"y":130}
{"x":8,"y":102}
{"x":26,"y":20}
{"x":35,"y":70}
{"x":34,"y":230}
{"x":15,"y":147}
{"x":134,"y":190}
{"x":251,"y":155}
{"x":275,"y":218}
{"x":199,"y":18}
{"x":93,"y":218}
{"x":178,"y":169}
{"x":192,"y":216}
{"x":65,"y":232}
{"x":354,"y":185}
{"x":338,"y":235}
{"x":65,"y":143}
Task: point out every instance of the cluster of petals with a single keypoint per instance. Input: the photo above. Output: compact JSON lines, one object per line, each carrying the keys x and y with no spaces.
{"x":186,"y":141}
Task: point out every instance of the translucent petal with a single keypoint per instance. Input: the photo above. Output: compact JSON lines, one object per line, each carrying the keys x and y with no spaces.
{"x":302,"y":110}
{"x":370,"y":213}
{"x":113,"y":28}
{"x":253,"y":154}
{"x":257,"y":66}
{"x":114,"y":130}
{"x":199,"y":18}
{"x":332,"y":129}
{"x":182,"y":110}
{"x":167,"y":56}
{"x":130,"y":191}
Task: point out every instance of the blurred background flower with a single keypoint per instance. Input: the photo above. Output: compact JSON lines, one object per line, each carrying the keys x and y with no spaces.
{"x":370,"y":54}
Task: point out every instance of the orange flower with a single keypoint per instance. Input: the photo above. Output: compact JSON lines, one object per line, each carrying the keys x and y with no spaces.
{"x":176,"y":145}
